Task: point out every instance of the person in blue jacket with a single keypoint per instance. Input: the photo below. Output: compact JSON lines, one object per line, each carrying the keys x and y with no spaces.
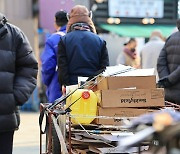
{"x":81,"y":52}
{"x":49,"y":58}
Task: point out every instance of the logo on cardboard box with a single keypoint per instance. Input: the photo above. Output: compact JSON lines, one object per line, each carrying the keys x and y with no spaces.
{"x":117,"y":120}
{"x":133,"y":100}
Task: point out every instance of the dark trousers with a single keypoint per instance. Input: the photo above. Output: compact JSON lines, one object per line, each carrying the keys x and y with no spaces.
{"x":6,"y":142}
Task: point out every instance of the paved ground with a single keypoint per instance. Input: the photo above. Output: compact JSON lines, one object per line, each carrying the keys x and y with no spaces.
{"x":26,"y":139}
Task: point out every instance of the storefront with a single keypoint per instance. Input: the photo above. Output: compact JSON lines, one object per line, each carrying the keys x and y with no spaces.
{"x":138,"y":30}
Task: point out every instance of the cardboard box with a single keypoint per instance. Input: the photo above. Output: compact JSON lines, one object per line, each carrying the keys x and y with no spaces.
{"x":131,"y":98}
{"x":116,"y":82}
{"x":118,"y":112}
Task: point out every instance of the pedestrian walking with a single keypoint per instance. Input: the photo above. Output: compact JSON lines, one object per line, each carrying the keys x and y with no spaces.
{"x":168,"y":67}
{"x":129,"y":55}
{"x":151,"y":50}
{"x":18,"y":74}
{"x":49,"y":58}
{"x":81,"y":51}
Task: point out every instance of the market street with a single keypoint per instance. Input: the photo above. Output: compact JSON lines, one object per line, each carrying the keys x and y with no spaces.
{"x":26,"y":139}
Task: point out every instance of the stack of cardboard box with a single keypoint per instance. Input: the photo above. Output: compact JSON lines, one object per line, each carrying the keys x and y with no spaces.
{"x":127,"y":96}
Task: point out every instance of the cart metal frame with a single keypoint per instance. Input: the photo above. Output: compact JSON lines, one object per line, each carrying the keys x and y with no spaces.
{"x":53,"y":120}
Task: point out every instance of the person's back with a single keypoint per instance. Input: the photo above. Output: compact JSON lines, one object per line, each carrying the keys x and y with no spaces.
{"x":84,"y":53}
{"x":168,"y":67}
{"x":18,"y":74}
{"x":49,"y":58}
{"x":150,"y":51}
{"x":81,"y":52}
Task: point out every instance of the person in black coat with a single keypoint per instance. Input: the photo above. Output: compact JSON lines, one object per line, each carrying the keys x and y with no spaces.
{"x":81,"y":51}
{"x":18,"y":75}
{"x":168,"y":67}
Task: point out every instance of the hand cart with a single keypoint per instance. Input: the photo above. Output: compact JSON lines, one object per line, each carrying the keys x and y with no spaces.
{"x":62,"y":137}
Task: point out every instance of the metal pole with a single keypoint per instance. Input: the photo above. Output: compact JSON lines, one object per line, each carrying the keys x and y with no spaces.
{"x":40,"y":132}
{"x":50,"y":133}
{"x":70,"y":146}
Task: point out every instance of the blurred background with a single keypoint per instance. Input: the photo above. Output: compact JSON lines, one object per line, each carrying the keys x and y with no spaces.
{"x":115,"y":20}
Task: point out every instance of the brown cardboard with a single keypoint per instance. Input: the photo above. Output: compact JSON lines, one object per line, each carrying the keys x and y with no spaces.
{"x":118,"y":112}
{"x":116,"y":82}
{"x":131,"y":98}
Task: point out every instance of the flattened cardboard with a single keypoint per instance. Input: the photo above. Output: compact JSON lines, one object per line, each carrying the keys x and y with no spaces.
{"x":131,"y":98}
{"x":118,"y":112}
{"x":117,"y":82}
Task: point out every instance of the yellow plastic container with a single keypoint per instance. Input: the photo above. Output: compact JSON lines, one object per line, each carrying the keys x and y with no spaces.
{"x":84,"y":107}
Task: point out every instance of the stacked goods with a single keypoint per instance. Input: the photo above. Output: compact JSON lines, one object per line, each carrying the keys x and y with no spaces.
{"x":127,"y":96}
{"x":119,"y":98}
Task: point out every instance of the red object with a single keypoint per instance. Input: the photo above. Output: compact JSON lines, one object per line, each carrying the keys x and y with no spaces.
{"x":85,"y":94}
{"x":63,"y":90}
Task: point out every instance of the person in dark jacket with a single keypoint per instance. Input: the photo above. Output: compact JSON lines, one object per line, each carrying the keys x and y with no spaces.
{"x":49,"y":58}
{"x":81,"y":52}
{"x":18,"y":75}
{"x":168,"y":67}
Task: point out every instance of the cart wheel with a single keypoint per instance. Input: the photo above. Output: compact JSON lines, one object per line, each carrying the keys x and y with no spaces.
{"x":56,"y":148}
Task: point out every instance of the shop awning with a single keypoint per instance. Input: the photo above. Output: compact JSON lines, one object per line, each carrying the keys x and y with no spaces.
{"x":138,"y":30}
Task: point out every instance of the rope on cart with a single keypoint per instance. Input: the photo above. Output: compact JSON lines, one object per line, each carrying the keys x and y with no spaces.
{"x":102,"y":117}
{"x":82,"y":127}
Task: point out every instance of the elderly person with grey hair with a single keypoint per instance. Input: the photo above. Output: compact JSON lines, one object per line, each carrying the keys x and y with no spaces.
{"x":151,"y":50}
